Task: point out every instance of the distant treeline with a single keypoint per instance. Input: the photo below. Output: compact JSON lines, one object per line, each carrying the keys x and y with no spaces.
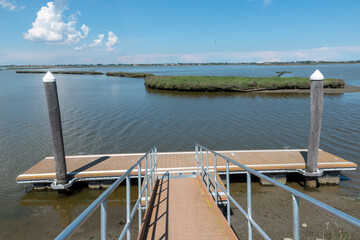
{"x":309,"y":62}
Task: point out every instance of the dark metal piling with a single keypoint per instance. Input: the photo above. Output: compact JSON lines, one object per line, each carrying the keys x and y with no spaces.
{"x":56,"y":129}
{"x":316,"y":110}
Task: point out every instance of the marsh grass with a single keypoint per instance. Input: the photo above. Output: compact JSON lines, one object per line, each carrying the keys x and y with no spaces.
{"x":130,"y":74}
{"x":234,"y":84}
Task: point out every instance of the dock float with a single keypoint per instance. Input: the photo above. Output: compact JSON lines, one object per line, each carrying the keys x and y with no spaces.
{"x":111,"y":166}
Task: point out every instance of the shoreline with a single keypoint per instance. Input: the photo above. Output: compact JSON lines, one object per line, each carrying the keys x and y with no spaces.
{"x":346,"y":89}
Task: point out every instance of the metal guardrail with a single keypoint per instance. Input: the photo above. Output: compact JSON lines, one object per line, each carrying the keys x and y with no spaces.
{"x":248,"y":214}
{"x":150,"y":159}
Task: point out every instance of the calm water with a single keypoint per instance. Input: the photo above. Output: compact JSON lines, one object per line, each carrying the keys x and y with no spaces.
{"x":103,"y":114}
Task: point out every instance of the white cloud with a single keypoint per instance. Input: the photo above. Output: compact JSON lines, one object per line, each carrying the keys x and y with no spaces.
{"x":95,"y":43}
{"x":112,"y":41}
{"x":98,"y":41}
{"x":9,"y":6}
{"x":49,"y":27}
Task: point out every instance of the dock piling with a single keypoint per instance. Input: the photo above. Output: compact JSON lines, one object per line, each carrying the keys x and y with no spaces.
{"x":316,"y":110}
{"x":56,"y":129}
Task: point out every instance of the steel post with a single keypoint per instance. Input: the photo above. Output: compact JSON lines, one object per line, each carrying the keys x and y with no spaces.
{"x":197,"y":157}
{"x":207,"y":171}
{"x":128,"y":207}
{"x":201,"y":163}
{"x":139,"y":195}
{"x":103,"y":219}
{"x":216,"y":183}
{"x":155,"y":163}
{"x":296,"y":220}
{"x":145,"y":181}
{"x":249,"y":208}
{"x":228,"y":191}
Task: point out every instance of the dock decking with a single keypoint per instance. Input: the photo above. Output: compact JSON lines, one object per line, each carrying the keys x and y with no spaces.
{"x":111,"y":166}
{"x":183,"y":209}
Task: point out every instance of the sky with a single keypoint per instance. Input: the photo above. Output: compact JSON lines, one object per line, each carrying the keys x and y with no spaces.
{"x":177,"y":31}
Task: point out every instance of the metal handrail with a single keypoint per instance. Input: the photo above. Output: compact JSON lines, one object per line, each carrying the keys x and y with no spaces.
{"x":102,"y":199}
{"x":251,"y":223}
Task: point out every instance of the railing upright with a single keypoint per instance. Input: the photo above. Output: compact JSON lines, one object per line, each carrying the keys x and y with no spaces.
{"x":216,"y":183}
{"x":197,"y":158}
{"x":249,"y":208}
{"x":146,"y":188}
{"x":296,"y":220}
{"x":155,"y":163}
{"x":139,"y":195}
{"x":103,"y":220}
{"x":128,"y":206}
{"x":201,"y":162}
{"x":150,"y":160}
{"x":207,"y":169}
{"x":228,"y":192}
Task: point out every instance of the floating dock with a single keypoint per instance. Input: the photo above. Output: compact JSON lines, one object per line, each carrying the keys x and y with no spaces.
{"x":111,"y":166}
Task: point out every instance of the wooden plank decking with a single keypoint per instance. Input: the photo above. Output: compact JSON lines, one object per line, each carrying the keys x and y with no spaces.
{"x":183,"y":209}
{"x":88,"y":167}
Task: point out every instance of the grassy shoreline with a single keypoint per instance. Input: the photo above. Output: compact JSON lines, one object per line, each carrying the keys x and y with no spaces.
{"x":130,"y":74}
{"x":233,"y":84}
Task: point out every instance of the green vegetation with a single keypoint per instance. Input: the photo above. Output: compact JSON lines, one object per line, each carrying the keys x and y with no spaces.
{"x":130,"y":74}
{"x":235,"y":84}
{"x":65,"y":72}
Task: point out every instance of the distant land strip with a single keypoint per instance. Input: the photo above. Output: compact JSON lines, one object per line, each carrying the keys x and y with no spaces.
{"x":65,"y":72}
{"x":310,"y":62}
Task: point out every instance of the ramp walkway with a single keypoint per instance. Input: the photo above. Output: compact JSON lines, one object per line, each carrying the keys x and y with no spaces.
{"x":183,"y":209}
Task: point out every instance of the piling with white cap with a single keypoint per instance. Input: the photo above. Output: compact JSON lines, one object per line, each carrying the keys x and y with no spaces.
{"x":316,"y":110}
{"x":56,"y":128}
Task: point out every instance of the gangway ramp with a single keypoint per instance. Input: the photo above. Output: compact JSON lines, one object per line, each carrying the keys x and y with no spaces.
{"x":182,"y":208}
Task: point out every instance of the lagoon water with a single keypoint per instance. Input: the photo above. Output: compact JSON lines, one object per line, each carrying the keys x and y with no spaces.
{"x":103,"y":114}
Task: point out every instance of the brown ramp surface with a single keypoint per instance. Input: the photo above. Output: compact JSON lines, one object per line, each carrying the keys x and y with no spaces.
{"x":183,"y":209}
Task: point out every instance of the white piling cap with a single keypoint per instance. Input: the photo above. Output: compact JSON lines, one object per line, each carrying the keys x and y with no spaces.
{"x":49,"y":77}
{"x":317,"y":76}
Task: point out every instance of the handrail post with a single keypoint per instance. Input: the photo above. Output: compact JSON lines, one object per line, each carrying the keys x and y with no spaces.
{"x":215,"y":176}
{"x":249,"y":208}
{"x":155,"y":163}
{"x":103,"y":219}
{"x":296,"y":221}
{"x":228,"y":192}
{"x":139,"y":190}
{"x":128,"y":207}
{"x":153,"y":167}
{"x":145,"y":182}
{"x":207,"y":171}
{"x":150,"y":167}
{"x":197,"y":157}
{"x":201,"y":163}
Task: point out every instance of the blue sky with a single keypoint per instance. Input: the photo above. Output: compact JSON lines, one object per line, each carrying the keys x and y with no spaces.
{"x":74,"y":31}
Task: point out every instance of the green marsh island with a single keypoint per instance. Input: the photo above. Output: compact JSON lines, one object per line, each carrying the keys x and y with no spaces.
{"x":234,"y":84}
